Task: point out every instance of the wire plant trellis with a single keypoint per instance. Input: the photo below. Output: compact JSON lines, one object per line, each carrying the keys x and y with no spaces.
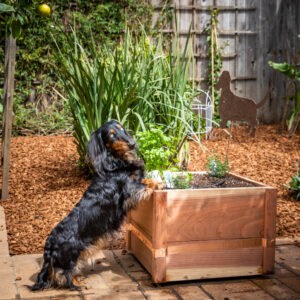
{"x":203,"y":108}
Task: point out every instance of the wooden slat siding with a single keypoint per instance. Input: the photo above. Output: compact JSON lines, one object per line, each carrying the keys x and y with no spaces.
{"x":222,"y":32}
{"x":142,"y":216}
{"x":270,"y":230}
{"x":215,"y":214}
{"x":215,"y":245}
{"x":252,"y":256}
{"x":142,"y":235}
{"x":206,"y":8}
{"x":10,"y":56}
{"x":279,"y":23}
{"x":206,"y":273}
{"x":278,"y":17}
{"x":159,"y":238}
{"x":141,"y":252}
{"x":136,"y":227}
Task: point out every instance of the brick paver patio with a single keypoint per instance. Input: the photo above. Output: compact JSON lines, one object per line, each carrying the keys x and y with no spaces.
{"x":118,"y":275}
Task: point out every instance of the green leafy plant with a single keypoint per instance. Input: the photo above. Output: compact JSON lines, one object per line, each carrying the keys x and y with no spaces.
{"x":292,"y":71}
{"x":156,"y":148}
{"x":56,"y":119}
{"x":36,"y":58}
{"x":216,"y":168}
{"x":182,"y":181}
{"x":137,"y":83}
{"x":294,"y":184}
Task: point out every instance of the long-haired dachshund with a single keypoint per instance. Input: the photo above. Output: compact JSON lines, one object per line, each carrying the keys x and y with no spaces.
{"x":116,"y":188}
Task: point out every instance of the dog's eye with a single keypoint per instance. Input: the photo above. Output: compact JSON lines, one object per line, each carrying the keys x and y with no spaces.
{"x":122,"y":128}
{"x":112,"y":135}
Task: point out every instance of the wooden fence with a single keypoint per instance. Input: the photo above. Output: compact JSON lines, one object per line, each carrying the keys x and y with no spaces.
{"x":255,"y":31}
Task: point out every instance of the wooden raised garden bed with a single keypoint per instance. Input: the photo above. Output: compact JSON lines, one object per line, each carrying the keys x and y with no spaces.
{"x":205,"y":233}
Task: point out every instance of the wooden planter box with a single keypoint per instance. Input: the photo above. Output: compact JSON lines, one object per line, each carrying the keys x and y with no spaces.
{"x":205,"y":233}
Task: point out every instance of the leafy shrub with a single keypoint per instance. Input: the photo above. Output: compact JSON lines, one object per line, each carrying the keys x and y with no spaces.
{"x":36,"y":57}
{"x":137,"y":84}
{"x":292,"y":71}
{"x":156,"y":148}
{"x":294,"y":186}
{"x":182,"y":182}
{"x":216,"y":168}
{"x":56,"y":119}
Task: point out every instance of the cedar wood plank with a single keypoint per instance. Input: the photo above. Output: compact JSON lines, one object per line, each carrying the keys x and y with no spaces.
{"x":270,"y":230}
{"x":215,"y":214}
{"x":159,"y":238}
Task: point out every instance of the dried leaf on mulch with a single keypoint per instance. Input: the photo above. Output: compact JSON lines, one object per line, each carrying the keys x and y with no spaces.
{"x":44,"y":182}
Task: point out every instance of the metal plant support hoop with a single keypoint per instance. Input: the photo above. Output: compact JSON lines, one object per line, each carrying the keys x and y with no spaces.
{"x":203,"y":107}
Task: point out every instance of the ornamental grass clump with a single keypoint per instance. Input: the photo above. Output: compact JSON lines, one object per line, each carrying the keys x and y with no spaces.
{"x":138,"y":83}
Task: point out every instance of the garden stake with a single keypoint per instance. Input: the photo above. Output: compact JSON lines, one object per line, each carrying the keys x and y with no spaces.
{"x":228,"y":144}
{"x":235,"y":108}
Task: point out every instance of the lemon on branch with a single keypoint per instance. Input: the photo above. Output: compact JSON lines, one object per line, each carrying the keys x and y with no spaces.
{"x":44,"y":10}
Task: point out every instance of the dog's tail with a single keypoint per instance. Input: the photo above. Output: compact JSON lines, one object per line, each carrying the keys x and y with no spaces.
{"x":43,"y":280}
{"x":263,"y":101}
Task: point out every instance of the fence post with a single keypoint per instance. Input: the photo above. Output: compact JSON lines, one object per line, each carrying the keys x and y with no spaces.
{"x":10,"y":58}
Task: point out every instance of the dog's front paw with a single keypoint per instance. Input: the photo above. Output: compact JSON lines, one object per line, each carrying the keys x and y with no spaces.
{"x":154,"y":184}
{"x":160,"y":186}
{"x":147,"y":194}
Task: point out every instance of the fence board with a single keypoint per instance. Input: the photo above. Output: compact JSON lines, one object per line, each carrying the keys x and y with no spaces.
{"x":204,"y":2}
{"x":256,"y":31}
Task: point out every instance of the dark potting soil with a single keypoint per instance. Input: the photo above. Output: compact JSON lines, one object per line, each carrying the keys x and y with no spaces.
{"x":207,"y":181}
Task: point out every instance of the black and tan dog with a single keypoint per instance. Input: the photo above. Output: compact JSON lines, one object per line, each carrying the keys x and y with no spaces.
{"x":117,"y":188}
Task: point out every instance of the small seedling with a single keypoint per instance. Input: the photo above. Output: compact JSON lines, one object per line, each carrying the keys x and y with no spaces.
{"x":216,"y":168}
{"x":294,"y":184}
{"x":182,"y":181}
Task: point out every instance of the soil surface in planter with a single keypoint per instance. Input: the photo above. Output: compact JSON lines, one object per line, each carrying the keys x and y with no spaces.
{"x":205,"y":181}
{"x":45,"y":184}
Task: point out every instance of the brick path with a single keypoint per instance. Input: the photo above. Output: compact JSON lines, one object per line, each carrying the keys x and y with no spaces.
{"x":118,"y":276}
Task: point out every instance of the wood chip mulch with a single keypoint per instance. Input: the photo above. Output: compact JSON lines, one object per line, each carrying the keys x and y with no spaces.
{"x":45,"y":183}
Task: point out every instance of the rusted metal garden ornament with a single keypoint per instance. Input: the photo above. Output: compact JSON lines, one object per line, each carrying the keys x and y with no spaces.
{"x":235,"y":108}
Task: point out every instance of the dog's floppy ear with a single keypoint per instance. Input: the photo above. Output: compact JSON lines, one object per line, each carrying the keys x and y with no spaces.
{"x":96,"y":151}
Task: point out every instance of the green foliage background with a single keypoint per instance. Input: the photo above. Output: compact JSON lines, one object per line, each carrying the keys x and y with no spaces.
{"x":35,"y":57}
